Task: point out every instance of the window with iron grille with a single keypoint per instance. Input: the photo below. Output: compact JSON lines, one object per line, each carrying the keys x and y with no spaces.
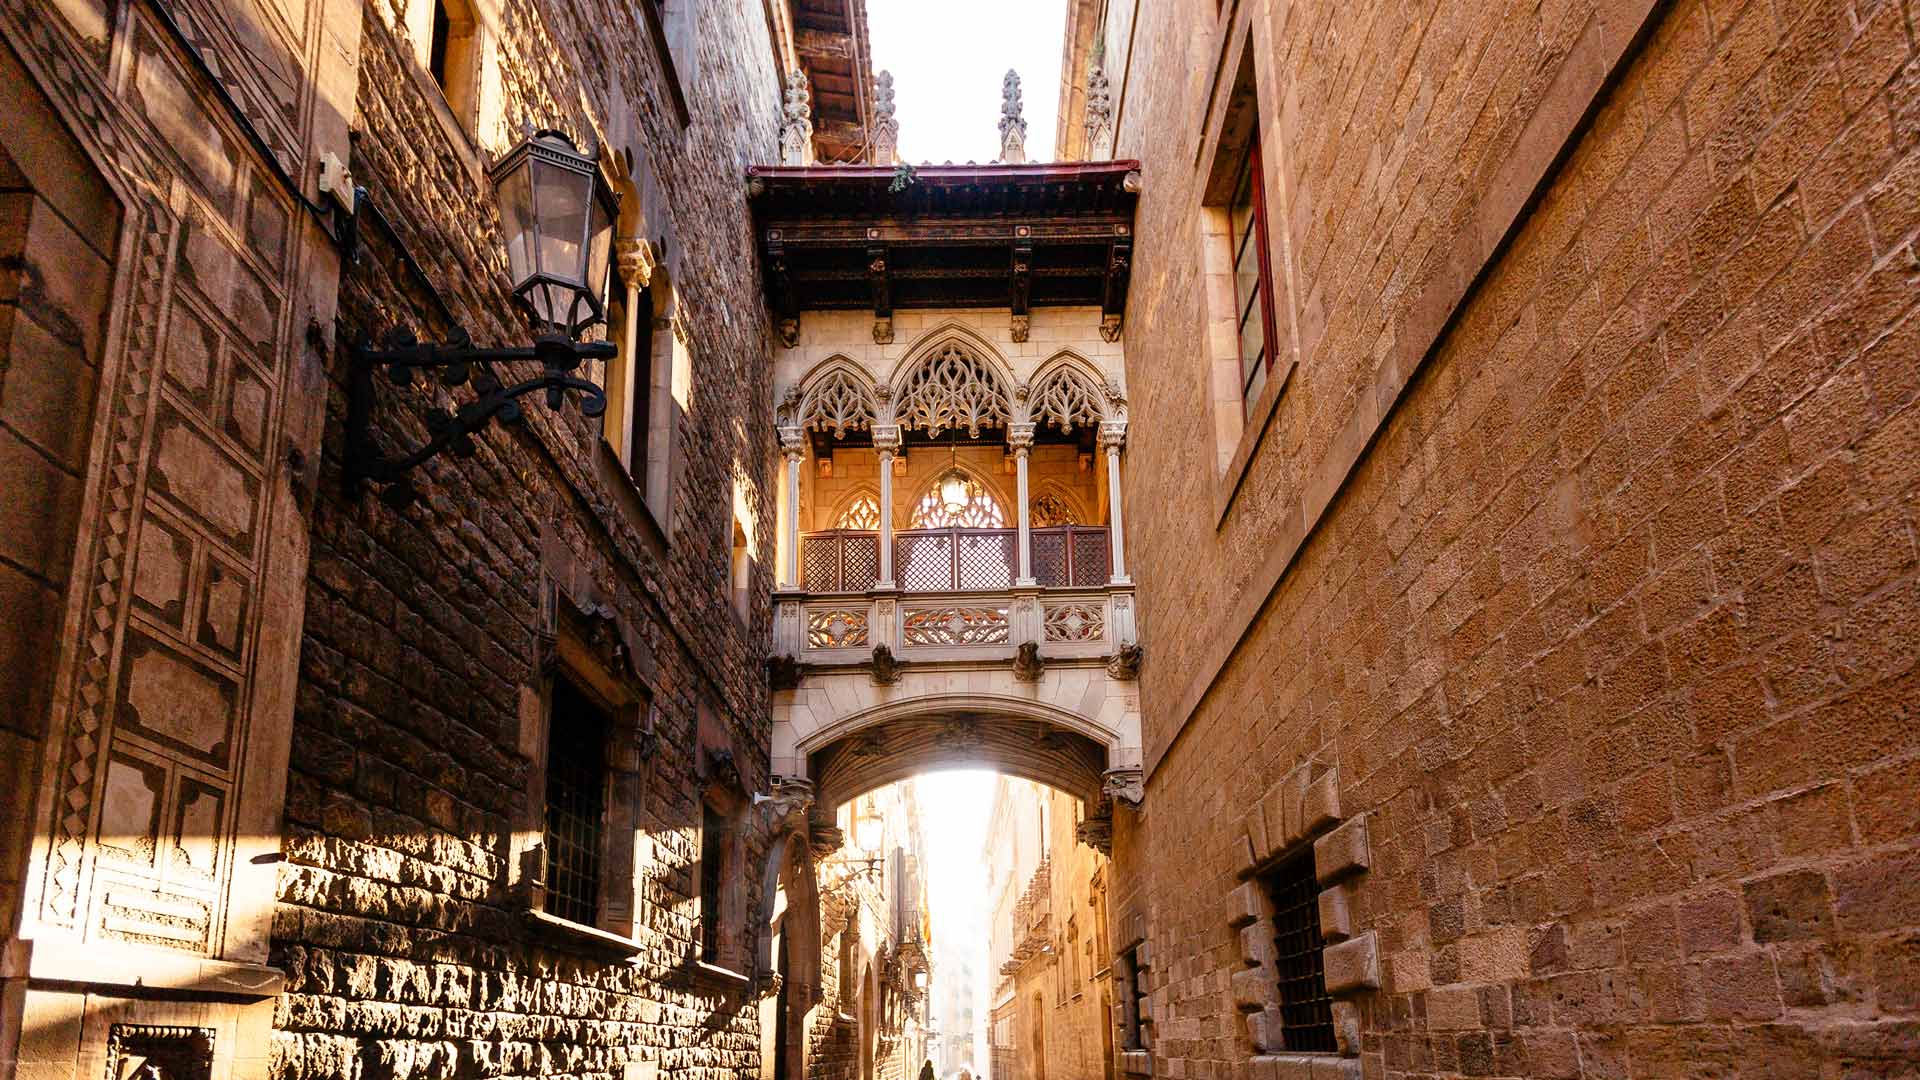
{"x":1133,"y":1001}
{"x":713,"y":854}
{"x":1306,"y":1012}
{"x":576,"y":803}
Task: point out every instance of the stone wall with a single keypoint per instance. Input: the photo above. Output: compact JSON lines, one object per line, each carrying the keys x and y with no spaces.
{"x":1580,"y":540}
{"x":401,"y":931}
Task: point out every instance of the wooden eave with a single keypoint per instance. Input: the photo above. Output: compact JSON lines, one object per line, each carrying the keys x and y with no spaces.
{"x":982,"y":236}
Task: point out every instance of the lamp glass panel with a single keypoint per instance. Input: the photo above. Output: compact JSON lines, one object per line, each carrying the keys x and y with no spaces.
{"x":564,"y":196}
{"x":516,"y":221}
{"x":599,"y":244}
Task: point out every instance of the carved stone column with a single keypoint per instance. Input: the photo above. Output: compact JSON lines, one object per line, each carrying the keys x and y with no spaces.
{"x":886,"y":442}
{"x":1099,"y":119}
{"x":1112,"y":437}
{"x":1013,"y":126}
{"x":796,"y":125}
{"x":1020,"y":439}
{"x":886,"y":129}
{"x":793,"y":444}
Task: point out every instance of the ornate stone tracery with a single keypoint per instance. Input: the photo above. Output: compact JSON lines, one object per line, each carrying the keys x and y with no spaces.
{"x":837,"y":401}
{"x":952,"y":387}
{"x":1067,"y":399}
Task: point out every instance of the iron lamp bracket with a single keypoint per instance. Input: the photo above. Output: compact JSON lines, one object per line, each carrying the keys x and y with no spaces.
{"x":453,"y":363}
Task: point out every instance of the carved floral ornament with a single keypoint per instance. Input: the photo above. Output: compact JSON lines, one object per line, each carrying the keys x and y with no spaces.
{"x":838,"y":401}
{"x":1066,"y":399}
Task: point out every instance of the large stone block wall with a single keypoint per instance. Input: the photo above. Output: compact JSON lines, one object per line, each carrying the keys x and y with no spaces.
{"x":406,"y":952}
{"x":1584,"y":551}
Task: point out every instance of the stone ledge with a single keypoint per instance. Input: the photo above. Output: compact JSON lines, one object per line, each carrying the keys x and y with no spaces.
{"x":1303,"y":1067}
{"x":1134,"y":1062}
{"x":553,"y":926}
{"x":151,"y":969}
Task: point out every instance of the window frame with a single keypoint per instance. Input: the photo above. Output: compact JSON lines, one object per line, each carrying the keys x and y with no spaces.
{"x":602,"y":778}
{"x":565,"y":653}
{"x":720,"y":907}
{"x":1252,"y":173}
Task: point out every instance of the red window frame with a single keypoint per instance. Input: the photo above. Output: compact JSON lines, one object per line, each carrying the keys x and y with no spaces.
{"x":1252,"y":174}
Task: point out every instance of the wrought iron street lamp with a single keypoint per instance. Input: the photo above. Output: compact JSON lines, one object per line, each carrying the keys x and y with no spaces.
{"x":557,"y":219}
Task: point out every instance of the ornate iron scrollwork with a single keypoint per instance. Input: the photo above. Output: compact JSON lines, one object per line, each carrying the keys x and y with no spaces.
{"x":454,"y":361}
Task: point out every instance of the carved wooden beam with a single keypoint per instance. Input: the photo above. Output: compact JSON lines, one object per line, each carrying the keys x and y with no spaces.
{"x":1020,"y":286}
{"x":786,"y":302}
{"x":1113,"y":305}
{"x":880,"y":284}
{"x":823,"y":45}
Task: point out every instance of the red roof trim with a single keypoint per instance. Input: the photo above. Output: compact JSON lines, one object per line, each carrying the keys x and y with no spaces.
{"x":1050,"y":171}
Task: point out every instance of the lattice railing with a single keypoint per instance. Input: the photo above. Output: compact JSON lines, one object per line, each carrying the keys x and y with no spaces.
{"x":839,"y":561}
{"x":945,"y":560}
{"x":1071,"y":555}
{"x":955,"y":560}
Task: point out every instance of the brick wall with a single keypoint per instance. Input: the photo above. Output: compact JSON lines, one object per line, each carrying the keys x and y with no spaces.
{"x":405,"y":951}
{"x":1584,"y":550}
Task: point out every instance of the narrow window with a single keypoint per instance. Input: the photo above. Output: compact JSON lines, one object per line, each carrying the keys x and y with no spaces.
{"x":742,"y":574}
{"x":437,"y":50}
{"x":1133,"y":1001}
{"x":1306,"y":1012}
{"x":640,"y":377}
{"x":576,"y":803}
{"x":1252,"y":278}
{"x":713,"y":853}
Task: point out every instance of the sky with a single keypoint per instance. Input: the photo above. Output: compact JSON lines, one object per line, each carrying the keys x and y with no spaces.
{"x":947,"y":61}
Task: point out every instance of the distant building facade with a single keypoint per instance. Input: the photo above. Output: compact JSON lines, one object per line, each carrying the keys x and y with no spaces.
{"x":1047,"y":942}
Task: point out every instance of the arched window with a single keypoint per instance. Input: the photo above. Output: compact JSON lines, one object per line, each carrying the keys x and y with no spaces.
{"x":957,"y":500}
{"x":863,"y":513}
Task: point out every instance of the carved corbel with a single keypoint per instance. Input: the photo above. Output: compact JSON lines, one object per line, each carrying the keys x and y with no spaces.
{"x":1124,"y":664}
{"x":634,"y":257}
{"x":783,"y":672}
{"x":1127,"y":785}
{"x":886,"y":670}
{"x":1028,"y":665}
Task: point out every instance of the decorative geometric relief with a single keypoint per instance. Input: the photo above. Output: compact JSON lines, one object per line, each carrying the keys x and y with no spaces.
{"x":197,"y":825}
{"x":247,"y":405}
{"x":836,"y":402}
{"x":160,"y":93}
{"x":267,"y":220}
{"x":134,"y":912}
{"x":202,"y":479}
{"x":955,"y":626}
{"x":127,"y":421}
{"x":210,"y":266}
{"x":153,"y":1052}
{"x":952,"y":388}
{"x":223,"y":613}
{"x":160,"y":571}
{"x":836,"y":629}
{"x":1065,"y":399}
{"x":130,"y":809}
{"x":193,"y":356}
{"x":1075,"y":622}
{"x":176,"y":702}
